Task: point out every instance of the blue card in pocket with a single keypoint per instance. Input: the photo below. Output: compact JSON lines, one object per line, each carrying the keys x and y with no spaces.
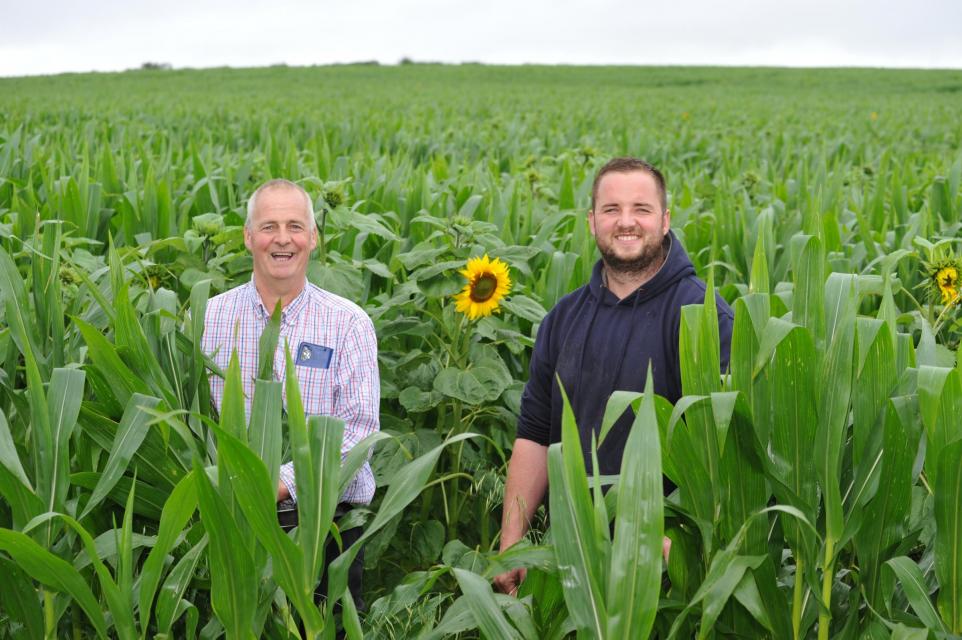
{"x":313,"y":355}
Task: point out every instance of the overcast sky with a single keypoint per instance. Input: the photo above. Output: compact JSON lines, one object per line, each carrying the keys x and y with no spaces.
{"x":54,"y":36}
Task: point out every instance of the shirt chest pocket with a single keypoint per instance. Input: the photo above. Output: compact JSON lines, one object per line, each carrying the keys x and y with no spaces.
{"x":318,"y":393}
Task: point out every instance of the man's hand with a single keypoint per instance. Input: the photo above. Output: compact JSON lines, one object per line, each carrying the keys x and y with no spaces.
{"x":665,"y":547}
{"x":509,"y":581}
{"x":523,"y":492}
{"x":282,"y":492}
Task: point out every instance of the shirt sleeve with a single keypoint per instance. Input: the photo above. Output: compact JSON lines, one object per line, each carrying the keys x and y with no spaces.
{"x":358,"y":385}
{"x":534,"y":423}
{"x":357,"y":388}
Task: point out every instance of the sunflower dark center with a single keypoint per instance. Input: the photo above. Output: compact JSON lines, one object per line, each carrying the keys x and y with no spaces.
{"x":484,"y":287}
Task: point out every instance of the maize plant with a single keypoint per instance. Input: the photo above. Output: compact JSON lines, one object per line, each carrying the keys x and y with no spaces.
{"x":819,"y":477}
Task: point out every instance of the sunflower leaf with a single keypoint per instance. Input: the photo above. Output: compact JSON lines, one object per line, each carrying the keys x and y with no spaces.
{"x":483,"y":381}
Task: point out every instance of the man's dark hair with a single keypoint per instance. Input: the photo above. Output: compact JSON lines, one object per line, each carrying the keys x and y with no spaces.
{"x":627,"y":165}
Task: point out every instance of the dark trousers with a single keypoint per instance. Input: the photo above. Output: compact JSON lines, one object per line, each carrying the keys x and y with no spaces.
{"x":287,"y":517}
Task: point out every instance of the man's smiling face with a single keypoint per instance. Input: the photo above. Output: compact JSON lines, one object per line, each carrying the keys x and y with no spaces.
{"x":280,"y":237}
{"x":628,"y":222}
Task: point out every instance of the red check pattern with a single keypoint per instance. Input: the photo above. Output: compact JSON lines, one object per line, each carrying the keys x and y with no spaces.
{"x":348,"y":389}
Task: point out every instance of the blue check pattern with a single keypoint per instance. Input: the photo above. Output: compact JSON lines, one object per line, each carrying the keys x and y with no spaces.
{"x":348,"y":388}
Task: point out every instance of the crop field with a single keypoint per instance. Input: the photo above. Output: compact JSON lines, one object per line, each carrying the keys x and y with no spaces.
{"x":819,"y":480}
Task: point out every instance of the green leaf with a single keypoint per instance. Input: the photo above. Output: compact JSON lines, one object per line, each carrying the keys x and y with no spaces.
{"x":199,"y":294}
{"x":480,"y":600}
{"x":482,"y":382}
{"x":14,"y":485}
{"x":634,"y":580}
{"x":792,"y":422}
{"x":913,"y":584}
{"x":618,"y":403}
{"x":9,"y":457}
{"x":256,"y":498}
{"x":948,"y":537}
{"x":265,"y":426}
{"x":930,"y":352}
{"x":317,"y":502}
{"x":233,"y":591}
{"x":808,"y":269}
{"x":884,"y":517}
{"x":17,"y":309}
{"x":316,"y":453}
{"x":20,"y":600}
{"x":940,"y":404}
{"x":267,"y":345}
{"x":404,"y":487}
{"x":106,"y":545}
{"x":901,"y":632}
{"x":414,"y":400}
{"x":875,"y":381}
{"x":726,"y":570}
{"x":121,"y":380}
{"x":125,"y":559}
{"x":63,"y":402}
{"x":174,"y":587}
{"x":233,"y":418}
{"x":132,"y":342}
{"x":833,"y":409}
{"x":178,"y":509}
{"x":577,"y":543}
{"x":759,"y":283}
{"x":153,"y":460}
{"x":744,"y":486}
{"x":356,"y":458}
{"x":718,"y":592}
{"x":130,"y":434}
{"x":54,"y":573}
{"x":524,"y":307}
{"x":118,"y":598}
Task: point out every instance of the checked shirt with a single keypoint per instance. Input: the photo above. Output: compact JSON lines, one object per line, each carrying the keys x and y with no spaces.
{"x":321,"y":329}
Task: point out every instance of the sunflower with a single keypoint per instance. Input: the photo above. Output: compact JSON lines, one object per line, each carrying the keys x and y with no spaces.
{"x":488,"y":283}
{"x":942,"y":278}
{"x":947,"y":280}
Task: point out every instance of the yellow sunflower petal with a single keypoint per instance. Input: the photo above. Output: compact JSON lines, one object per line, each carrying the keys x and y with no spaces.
{"x":488,"y":283}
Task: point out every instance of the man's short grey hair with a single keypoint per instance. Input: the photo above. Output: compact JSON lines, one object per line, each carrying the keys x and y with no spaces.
{"x":278,"y":183}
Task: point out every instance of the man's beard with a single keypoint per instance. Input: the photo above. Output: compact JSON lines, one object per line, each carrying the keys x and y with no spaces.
{"x":651,"y":257}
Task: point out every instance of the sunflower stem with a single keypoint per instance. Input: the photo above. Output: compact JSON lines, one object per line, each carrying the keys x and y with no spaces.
{"x":939,"y":323}
{"x":454,"y":510}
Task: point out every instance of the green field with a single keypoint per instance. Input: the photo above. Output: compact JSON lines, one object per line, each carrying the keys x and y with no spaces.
{"x":820,"y":482}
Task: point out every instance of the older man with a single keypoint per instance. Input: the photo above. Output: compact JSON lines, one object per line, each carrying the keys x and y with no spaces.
{"x":334,"y":349}
{"x":603,"y":336}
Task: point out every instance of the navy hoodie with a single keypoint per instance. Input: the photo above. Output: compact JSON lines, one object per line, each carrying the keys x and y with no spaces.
{"x":597,"y":344}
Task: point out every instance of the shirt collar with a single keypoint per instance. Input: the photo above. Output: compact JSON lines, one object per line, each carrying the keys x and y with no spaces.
{"x":288,"y":313}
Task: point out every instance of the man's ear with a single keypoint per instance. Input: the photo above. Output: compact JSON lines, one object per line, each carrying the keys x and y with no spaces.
{"x":591,"y":220}
{"x":666,"y":221}
{"x":248,"y":239}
